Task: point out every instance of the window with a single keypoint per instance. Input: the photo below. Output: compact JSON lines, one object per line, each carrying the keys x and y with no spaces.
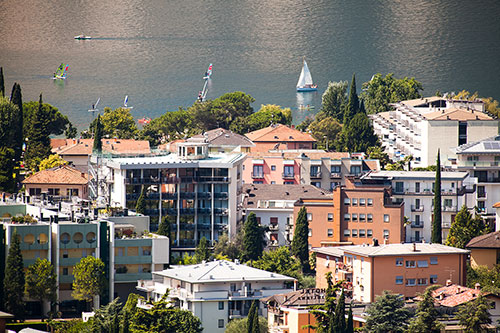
{"x":355,"y":169}
{"x":370,"y":202}
{"x":288,"y":183}
{"x":369,"y":233}
{"x":347,"y":217}
{"x":399,"y":187}
{"x":411,"y":282}
{"x":309,"y":216}
{"x":448,"y":202}
{"x":433,"y":279}
{"x":347,"y":201}
{"x":410,"y":264}
{"x":335,"y":169}
{"x":434,"y":260}
{"x":362,"y":233}
{"x":354,"y":202}
{"x":258,"y":171}
{"x":221,"y":305}
{"x":65,"y":254}
{"x":330,"y":232}
{"x":362,"y":202}
{"x":417,"y":187}
{"x":422,"y":282}
{"x":53,"y":191}
{"x":354,"y":217}
{"x":369,"y":217}
{"x":386,"y":233}
{"x":310,"y":232}
{"x":330,"y":217}
{"x":333,"y":185}
{"x":399,"y":261}
{"x":362,"y":217}
{"x":422,"y":263}
{"x":386,"y":217}
{"x":354,"y":232}
{"x":315,"y":170}
{"x":288,"y":171}
{"x":273,"y":167}
{"x":35,"y":191}
{"x":221,"y":323}
{"x":347,"y":233}
{"x":273,"y":182}
{"x":317,"y":184}
{"x":65,"y":271}
{"x":399,"y":279}
{"x":72,"y":192}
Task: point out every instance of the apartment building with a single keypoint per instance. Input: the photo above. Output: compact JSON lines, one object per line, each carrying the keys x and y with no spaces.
{"x":273,"y":207}
{"x":319,"y":168}
{"x":416,"y":190}
{"x":422,"y":126}
{"x":221,"y":140}
{"x":485,"y":250}
{"x":197,"y":192}
{"x":406,"y":269}
{"x":216,"y":291}
{"x":279,"y":137}
{"x":480,"y":160}
{"x":358,"y":213}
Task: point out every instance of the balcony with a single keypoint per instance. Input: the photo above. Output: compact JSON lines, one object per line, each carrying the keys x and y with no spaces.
{"x":187,"y":211}
{"x":211,"y":179}
{"x":287,"y":175}
{"x":204,"y":195}
{"x":481,"y":195}
{"x":204,"y":211}
{"x":257,"y":175}
{"x":415,"y":224}
{"x":274,"y":227}
{"x":316,"y":175}
{"x":449,"y":208}
{"x":221,"y":195}
{"x":335,"y":175}
{"x":169,"y":211}
{"x":419,"y":208}
{"x":446,"y":225}
{"x":221,"y":211}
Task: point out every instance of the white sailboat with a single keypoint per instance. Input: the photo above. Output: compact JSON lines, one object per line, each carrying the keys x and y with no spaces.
{"x":305,"y":82}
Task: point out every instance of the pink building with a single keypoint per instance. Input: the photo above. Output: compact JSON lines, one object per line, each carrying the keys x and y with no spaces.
{"x":272,"y":168}
{"x":280,"y":137}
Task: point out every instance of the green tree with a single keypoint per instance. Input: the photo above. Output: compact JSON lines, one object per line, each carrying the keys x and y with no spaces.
{"x":325,"y":131}
{"x":38,"y":140}
{"x":240,"y":325}
{"x":89,"y":278}
{"x":378,"y":153}
{"x":279,"y":261}
{"x":14,"y":279}
{"x":140,"y":206}
{"x":164,"y":228}
{"x":352,"y":107}
{"x":334,"y":100}
{"x":437,"y":236}
{"x":464,"y":228}
{"x":170,"y":126}
{"x":229,"y":249}
{"x":51,"y":162}
{"x":489,"y":279}
{"x":325,"y":313}
{"x":2,"y":83}
{"x":474,"y":316}
{"x":10,"y":148}
{"x":70,"y":132}
{"x":98,"y":133}
{"x":241,"y":101}
{"x":7,"y":164}
{"x":41,"y":281}
{"x":17,"y":121}
{"x":357,"y":135}
{"x":350,"y":321}
{"x":300,"y":242}
{"x":387,"y":314}
{"x":202,"y":251}
{"x":380,"y":92}
{"x":253,"y":238}
{"x":340,"y":322}
{"x":117,"y":123}
{"x":426,"y":317}
{"x":55,"y":123}
{"x":128,"y":312}
{"x":267,"y":115}
{"x":252,"y":317}
{"x":107,"y":318}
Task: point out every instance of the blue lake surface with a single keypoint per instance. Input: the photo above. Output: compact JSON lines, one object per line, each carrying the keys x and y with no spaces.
{"x":156,"y":52}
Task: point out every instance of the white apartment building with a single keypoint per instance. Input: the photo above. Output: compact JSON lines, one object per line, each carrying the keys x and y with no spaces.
{"x":420,"y":127}
{"x":273,"y":207}
{"x":416,"y":190}
{"x":481,"y":159}
{"x":216,"y":291}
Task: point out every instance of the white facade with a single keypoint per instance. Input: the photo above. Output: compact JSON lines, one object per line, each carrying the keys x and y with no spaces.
{"x":269,"y":211}
{"x":420,"y":127}
{"x":216,"y":291}
{"x":416,"y":190}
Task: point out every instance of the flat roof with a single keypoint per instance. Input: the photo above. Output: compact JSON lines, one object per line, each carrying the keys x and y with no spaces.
{"x":447,"y":175}
{"x":391,"y":250}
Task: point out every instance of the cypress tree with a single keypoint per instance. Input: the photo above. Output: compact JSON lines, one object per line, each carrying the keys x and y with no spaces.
{"x":253,"y":243}
{"x":352,"y":107}
{"x":202,"y":251}
{"x":252,"y":314}
{"x":140,"y":207}
{"x":17,"y":120}
{"x":14,"y":279}
{"x":39,"y":140}
{"x":98,"y":130}
{"x":2,"y":83}
{"x":350,"y":321}
{"x":340,"y":323}
{"x":436,"y":224}
{"x":300,"y":242}
{"x":255,"y":324}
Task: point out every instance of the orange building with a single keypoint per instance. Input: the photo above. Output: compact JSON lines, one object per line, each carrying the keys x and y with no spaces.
{"x":358,"y":213}
{"x":279,"y":137}
{"x":406,"y":269}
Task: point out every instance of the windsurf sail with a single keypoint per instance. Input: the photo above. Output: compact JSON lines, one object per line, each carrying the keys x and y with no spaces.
{"x":60,"y":70}
{"x":125,"y":101}
{"x":208,"y":73}
{"x":65,"y":72}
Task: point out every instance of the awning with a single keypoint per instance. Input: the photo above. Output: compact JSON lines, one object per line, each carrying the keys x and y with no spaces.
{"x":315,"y":162}
{"x":258,"y":161}
{"x":288,"y":162}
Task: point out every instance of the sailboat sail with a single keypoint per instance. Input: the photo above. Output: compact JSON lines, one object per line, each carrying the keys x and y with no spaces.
{"x":305,"y":77}
{"x":60,"y":70}
{"x":125,"y":101}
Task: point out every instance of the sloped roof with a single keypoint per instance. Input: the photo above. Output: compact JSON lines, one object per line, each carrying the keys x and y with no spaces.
{"x":114,"y":146}
{"x":299,"y":298}
{"x":279,"y":133}
{"x":454,"y":295}
{"x":457,"y":114}
{"x":258,"y":192}
{"x":221,"y":271}
{"x":224,"y":137}
{"x":401,"y":249}
{"x":311,"y":154}
{"x":422,"y":101}
{"x":59,"y":175}
{"x":488,"y":241}
{"x":485,"y":146}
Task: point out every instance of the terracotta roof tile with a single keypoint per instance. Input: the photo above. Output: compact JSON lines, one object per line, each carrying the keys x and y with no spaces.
{"x":59,"y":175}
{"x":454,"y":295}
{"x":457,"y":114}
{"x":115,"y":146}
{"x":224,"y":137}
{"x":490,"y":241}
{"x":279,"y":133}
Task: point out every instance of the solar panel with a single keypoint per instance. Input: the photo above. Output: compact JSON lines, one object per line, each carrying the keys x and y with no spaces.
{"x":492,"y":145}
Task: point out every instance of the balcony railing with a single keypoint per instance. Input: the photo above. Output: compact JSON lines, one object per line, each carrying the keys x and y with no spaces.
{"x":316,"y":174}
{"x":419,"y":224}
{"x":274,"y":227}
{"x":288,"y":175}
{"x":419,"y":208}
{"x":449,"y":208}
{"x":257,"y":175}
{"x":335,"y":175}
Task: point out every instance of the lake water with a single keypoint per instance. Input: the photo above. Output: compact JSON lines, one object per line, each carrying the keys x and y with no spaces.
{"x":157,"y":51}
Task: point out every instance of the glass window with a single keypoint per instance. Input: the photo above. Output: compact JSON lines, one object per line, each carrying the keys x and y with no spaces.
{"x":399,"y":279}
{"x":221,"y":323}
{"x":369,"y":233}
{"x":347,"y":201}
{"x":258,"y":171}
{"x":355,"y":169}
{"x":362,"y":233}
{"x":369,"y":217}
{"x":399,"y":187}
{"x":386,"y":217}
{"x":347,"y":217}
{"x":317,"y":184}
{"x":423,"y":263}
{"x":347,"y":233}
{"x":399,"y":261}
{"x":386,"y":233}
{"x":433,"y":279}
{"x":330,"y":217}
{"x":434,"y":260}
{"x":370,"y":202}
{"x":354,"y":217}
{"x":410,"y":264}
{"x":411,"y":282}
{"x":288,"y":171}
{"x":354,"y":232}
{"x":354,"y":201}
{"x":309,"y":216}
{"x":221,"y":305}
{"x":362,"y":217}
{"x":422,"y":282}
{"x":65,"y":271}
{"x":335,"y":169}
{"x":330,"y":232}
{"x":362,"y":202}
{"x":310,"y":232}
{"x":273,"y":167}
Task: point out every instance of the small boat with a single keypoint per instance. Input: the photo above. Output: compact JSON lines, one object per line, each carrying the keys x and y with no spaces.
{"x":94,"y":106}
{"x":82,"y":37}
{"x":144,"y":120}
{"x":125,"y":102}
{"x":208,"y":73}
{"x":305,"y":82}
{"x":61,"y":72}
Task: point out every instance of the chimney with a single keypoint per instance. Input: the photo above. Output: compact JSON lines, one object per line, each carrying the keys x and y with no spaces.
{"x":375,"y":242}
{"x":414,"y":247}
{"x":448,"y":282}
{"x":386,"y":241}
